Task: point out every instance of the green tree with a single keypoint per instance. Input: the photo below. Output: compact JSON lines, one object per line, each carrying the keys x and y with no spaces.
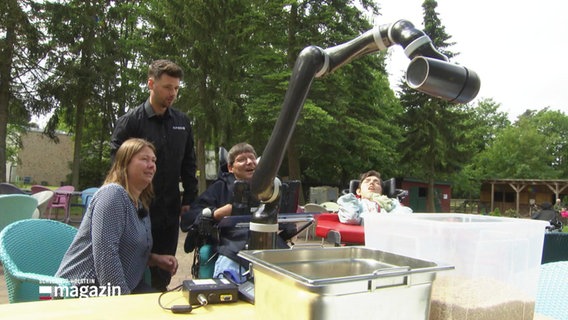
{"x":518,"y":152}
{"x":437,"y":142}
{"x":238,"y":59}
{"x":120,"y":74}
{"x":75,"y":30}
{"x":532,"y":148}
{"x":554,"y":125}
{"x":210,"y":41}
{"x":93,"y":76}
{"x":486,"y":123}
{"x":346,"y":120}
{"x":21,"y":51}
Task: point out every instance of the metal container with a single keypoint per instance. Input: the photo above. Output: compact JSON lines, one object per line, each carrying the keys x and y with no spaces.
{"x":340,"y":283}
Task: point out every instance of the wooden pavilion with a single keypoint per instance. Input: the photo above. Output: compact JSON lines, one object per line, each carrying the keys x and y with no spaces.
{"x":520,"y":195}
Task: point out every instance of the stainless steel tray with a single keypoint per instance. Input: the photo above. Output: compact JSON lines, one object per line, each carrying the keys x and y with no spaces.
{"x":340,"y":283}
{"x":317,"y":266}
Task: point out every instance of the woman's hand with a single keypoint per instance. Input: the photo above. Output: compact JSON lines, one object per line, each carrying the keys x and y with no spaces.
{"x":164,"y":262}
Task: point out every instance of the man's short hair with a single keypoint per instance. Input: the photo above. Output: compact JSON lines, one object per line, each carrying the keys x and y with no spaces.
{"x":161,"y":67}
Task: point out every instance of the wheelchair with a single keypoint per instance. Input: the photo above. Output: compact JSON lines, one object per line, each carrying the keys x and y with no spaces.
{"x":206,"y":232}
{"x":331,"y":230}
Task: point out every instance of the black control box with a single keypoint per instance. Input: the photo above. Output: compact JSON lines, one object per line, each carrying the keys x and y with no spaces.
{"x":212,"y":290}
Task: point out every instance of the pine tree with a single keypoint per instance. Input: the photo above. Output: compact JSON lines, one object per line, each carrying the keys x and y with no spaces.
{"x":21,"y":50}
{"x":435,"y":131}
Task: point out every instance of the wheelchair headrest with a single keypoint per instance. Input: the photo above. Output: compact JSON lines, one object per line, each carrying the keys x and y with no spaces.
{"x":353,"y":185}
{"x":388,"y":186}
{"x":290,"y":196}
{"x":223,"y":160}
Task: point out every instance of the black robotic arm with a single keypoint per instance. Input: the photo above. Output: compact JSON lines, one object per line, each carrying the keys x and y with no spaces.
{"x":428,"y":72}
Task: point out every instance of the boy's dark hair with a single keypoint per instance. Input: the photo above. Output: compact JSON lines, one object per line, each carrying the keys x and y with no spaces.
{"x":370,"y":173}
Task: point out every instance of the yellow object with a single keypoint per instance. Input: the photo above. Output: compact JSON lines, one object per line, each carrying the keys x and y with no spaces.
{"x":135,"y":306}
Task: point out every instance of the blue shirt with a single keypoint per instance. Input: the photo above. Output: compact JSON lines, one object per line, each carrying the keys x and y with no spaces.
{"x":113,"y":244}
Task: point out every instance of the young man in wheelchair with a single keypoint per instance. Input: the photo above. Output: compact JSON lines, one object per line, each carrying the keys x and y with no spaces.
{"x":367,"y":199}
{"x":217,"y":202}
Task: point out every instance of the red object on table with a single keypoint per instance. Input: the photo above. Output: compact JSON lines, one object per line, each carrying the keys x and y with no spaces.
{"x":350,"y":233}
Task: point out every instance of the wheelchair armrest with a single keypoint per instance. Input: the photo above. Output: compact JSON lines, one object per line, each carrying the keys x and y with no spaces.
{"x":400,"y":194}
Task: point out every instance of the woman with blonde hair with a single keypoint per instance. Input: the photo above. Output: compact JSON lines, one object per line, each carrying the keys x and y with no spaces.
{"x":114,"y":241}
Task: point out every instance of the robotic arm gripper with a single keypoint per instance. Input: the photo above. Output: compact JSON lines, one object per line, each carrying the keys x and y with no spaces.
{"x":429,"y":72}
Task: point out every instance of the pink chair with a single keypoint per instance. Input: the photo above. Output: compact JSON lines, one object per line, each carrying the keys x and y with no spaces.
{"x":61,"y":200}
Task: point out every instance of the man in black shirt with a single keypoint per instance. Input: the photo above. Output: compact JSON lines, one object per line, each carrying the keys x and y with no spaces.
{"x":171,"y":133}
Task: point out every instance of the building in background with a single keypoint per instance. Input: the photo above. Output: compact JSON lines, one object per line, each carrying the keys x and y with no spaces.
{"x":522,"y":196}
{"x":418,"y":192}
{"x":42,"y":161}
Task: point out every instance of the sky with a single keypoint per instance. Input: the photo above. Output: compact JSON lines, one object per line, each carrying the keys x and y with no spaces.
{"x":516,"y":48}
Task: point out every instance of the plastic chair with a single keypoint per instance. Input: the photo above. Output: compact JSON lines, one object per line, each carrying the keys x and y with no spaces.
{"x":43,"y":198}
{"x":553,"y":290}
{"x":14,"y":207}
{"x":555,"y":247}
{"x":330,"y":206}
{"x":86,"y":196}
{"x":31,"y":251}
{"x":39,"y":188}
{"x":315,"y":210}
{"x":7,"y":188}
{"x":61,"y":200}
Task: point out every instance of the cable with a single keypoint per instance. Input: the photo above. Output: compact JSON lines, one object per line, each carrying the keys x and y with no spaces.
{"x":182,"y":308}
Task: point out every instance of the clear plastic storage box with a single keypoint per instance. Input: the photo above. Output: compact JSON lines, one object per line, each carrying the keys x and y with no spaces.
{"x":496,"y":260}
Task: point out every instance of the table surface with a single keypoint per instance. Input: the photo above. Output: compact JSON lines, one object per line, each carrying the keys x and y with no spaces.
{"x":136,"y":306}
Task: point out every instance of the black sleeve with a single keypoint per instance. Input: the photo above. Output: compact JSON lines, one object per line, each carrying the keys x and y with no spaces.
{"x":123,"y":129}
{"x":188,"y":169}
{"x":208,"y":199}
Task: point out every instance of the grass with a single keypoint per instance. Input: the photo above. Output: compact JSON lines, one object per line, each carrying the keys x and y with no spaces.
{"x":76,"y":206}
{"x":75,"y":211}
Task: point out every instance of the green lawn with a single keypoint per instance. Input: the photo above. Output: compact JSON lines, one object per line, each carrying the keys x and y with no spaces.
{"x":76,"y":210}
